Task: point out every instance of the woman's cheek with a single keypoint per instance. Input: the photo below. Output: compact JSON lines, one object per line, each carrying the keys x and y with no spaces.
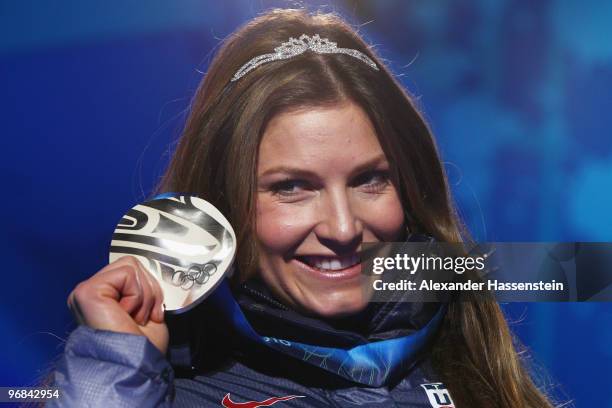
{"x":384,"y":217}
{"x":393,"y":223}
{"x":280,"y":226}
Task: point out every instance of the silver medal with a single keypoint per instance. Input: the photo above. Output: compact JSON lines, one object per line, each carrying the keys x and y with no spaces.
{"x":183,"y":241}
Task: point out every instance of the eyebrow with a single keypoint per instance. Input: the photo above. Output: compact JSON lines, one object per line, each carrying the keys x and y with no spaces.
{"x":300,"y":172}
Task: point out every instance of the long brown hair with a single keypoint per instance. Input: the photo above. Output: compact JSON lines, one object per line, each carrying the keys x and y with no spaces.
{"x":216,"y":158}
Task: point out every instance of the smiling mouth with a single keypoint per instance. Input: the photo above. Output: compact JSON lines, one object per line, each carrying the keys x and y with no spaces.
{"x":330,"y":263}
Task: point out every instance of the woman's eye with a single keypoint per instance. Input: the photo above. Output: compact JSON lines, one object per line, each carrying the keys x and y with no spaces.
{"x":288,"y":188}
{"x":373,"y":181}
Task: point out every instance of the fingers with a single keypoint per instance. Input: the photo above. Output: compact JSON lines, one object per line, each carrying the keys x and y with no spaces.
{"x":142,"y":315}
{"x":153,"y":297}
{"x":124,"y":282}
{"x":150,"y":296}
{"x":157,"y":313}
{"x":144,"y":295}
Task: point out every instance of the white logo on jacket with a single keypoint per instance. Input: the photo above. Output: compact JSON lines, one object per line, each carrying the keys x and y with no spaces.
{"x":438,"y":395}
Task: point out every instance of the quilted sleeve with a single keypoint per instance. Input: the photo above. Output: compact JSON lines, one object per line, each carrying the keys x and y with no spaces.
{"x":101,"y":368}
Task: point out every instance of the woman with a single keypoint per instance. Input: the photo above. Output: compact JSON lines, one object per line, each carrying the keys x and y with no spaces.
{"x":310,"y":149}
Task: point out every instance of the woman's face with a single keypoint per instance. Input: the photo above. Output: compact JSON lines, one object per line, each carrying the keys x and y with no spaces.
{"x":323,"y":190}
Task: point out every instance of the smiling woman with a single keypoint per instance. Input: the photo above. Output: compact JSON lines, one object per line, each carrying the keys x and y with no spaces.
{"x":306,"y":142}
{"x":323,"y":181}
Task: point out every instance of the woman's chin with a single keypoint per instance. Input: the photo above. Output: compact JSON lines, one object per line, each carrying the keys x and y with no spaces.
{"x":334,"y":305}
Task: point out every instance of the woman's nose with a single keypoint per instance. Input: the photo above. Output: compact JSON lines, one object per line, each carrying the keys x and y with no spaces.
{"x":338,"y":223}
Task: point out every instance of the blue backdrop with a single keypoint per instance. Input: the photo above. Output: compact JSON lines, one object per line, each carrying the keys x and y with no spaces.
{"x":94,"y":93}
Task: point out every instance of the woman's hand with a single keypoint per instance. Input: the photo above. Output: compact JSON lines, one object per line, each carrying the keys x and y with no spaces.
{"x":122,"y":297}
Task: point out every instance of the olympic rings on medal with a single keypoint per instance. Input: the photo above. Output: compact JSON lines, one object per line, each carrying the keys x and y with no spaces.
{"x":199,"y":274}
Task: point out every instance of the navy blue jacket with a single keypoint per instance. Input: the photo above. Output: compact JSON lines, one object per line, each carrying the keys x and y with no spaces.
{"x":208,"y":366}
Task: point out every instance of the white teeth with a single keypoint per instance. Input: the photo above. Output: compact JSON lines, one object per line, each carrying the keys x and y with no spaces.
{"x":331,"y":263}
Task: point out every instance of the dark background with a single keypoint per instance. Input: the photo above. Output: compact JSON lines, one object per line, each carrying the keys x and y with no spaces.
{"x":93,"y":94}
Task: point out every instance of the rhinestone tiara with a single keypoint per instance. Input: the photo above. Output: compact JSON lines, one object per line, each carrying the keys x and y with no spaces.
{"x":295,"y":47}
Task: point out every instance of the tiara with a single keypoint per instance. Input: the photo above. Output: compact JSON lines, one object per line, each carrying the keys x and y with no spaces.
{"x":295,"y":47}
